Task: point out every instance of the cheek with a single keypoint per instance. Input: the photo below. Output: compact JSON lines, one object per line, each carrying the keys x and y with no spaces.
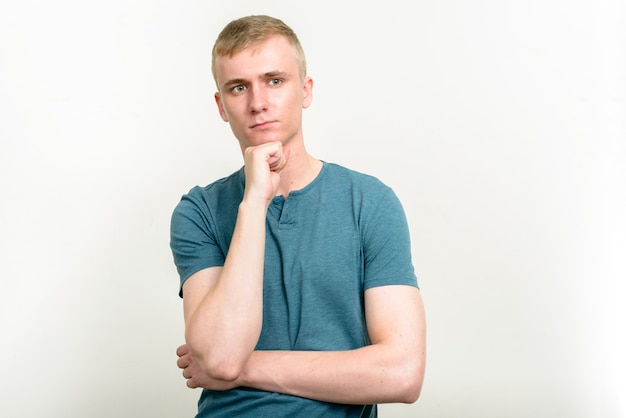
{"x":292,"y":103}
{"x":231,"y":113}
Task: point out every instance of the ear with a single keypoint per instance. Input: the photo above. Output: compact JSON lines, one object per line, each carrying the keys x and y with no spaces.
{"x":307,"y":87}
{"x":220,"y":106}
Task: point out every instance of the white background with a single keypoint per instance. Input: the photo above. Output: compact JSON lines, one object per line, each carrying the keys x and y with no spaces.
{"x":500,"y":124}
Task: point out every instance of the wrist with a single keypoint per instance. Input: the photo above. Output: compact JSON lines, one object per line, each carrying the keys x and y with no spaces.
{"x":245,"y":377}
{"x":251,"y":205}
{"x":258,"y":373}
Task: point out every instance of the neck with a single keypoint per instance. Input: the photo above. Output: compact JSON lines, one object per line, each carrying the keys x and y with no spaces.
{"x":300,"y":170}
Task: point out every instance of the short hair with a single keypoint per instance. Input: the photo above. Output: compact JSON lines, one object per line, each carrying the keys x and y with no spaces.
{"x":251,"y":31}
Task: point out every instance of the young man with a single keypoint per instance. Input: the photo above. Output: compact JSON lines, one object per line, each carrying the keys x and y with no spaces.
{"x":298,"y":288}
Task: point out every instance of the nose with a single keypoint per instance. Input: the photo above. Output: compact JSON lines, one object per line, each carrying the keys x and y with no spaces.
{"x":258,"y":99}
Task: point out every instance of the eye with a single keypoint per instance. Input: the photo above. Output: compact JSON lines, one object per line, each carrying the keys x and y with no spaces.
{"x":238,"y":89}
{"x":275,"y":81}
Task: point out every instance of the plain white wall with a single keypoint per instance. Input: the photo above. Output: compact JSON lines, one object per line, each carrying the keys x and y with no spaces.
{"x":501,"y":125}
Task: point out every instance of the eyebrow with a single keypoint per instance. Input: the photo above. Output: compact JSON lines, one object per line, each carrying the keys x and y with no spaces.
{"x":273,"y":74}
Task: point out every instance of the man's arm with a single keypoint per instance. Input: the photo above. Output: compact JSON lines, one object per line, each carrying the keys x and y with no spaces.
{"x":223,"y":306}
{"x":391,"y":369}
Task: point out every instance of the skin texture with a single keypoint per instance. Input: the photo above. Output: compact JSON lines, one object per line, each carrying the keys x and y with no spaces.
{"x":262,"y":96}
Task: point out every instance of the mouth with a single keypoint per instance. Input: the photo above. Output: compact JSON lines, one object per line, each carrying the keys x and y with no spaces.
{"x":262,"y":125}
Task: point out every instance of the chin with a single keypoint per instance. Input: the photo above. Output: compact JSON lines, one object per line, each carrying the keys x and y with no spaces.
{"x":264,"y":140}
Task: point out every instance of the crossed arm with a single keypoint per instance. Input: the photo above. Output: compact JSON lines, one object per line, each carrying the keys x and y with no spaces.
{"x":391,"y":369}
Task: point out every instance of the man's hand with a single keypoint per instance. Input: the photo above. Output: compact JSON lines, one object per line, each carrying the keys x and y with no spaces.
{"x":196,"y":378}
{"x":263,"y":164}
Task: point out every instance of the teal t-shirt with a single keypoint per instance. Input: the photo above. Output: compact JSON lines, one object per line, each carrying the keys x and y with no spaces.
{"x":326,"y":244}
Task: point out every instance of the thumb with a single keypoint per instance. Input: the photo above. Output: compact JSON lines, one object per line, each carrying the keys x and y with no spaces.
{"x":281,"y":160}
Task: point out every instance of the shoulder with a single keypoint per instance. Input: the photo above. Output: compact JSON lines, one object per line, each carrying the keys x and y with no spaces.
{"x":226,"y":189}
{"x":338,"y":172}
{"x":362,"y":185}
{"x":201,"y":204}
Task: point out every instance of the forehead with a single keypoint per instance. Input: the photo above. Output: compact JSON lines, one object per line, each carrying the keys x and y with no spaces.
{"x":271,"y":55}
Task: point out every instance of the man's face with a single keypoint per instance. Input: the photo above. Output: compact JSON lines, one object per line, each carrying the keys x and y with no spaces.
{"x":261,"y":94}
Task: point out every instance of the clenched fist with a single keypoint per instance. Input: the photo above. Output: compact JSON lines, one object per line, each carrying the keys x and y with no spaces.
{"x":263,"y":164}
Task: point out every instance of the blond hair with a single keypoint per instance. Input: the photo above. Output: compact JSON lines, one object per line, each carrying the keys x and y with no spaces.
{"x":251,"y":31}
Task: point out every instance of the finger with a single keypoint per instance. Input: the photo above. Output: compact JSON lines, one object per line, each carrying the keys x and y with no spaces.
{"x":182,"y":350}
{"x":278,"y":161}
{"x":192,"y":383}
{"x":286,"y":152}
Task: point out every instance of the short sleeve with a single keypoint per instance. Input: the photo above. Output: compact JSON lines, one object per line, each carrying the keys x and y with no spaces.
{"x":386,"y":244}
{"x":192,"y":239}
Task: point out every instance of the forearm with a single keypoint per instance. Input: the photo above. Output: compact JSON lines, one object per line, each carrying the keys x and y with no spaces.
{"x":391,"y":369}
{"x":373,"y":374}
{"x":224,"y":328}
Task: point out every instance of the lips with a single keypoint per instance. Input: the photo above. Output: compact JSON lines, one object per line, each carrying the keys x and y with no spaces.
{"x":262,"y":125}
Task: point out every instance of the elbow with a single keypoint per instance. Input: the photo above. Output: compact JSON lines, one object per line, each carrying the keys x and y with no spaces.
{"x":412,"y":393}
{"x":216,"y":367}
{"x":226,"y":370}
{"x":215,"y":363}
{"x":409,"y":383}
